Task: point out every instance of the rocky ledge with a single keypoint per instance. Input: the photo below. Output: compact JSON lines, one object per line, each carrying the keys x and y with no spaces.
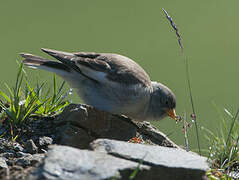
{"x":84,"y":143}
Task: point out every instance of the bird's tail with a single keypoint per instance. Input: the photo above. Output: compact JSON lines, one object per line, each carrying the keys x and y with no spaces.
{"x":37,"y":62}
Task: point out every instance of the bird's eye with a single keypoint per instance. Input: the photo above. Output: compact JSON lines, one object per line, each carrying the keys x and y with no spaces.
{"x":166,"y":102}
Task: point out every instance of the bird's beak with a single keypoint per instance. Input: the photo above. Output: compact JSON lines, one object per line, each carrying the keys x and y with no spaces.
{"x":171,"y":113}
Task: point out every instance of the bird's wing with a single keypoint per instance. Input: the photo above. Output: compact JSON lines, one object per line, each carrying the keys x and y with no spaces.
{"x":104,"y":67}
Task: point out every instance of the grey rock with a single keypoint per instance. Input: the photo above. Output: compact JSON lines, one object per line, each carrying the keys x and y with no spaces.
{"x":17,"y":147}
{"x":64,"y":162}
{"x":74,"y":136}
{"x":3,"y":129}
{"x":31,"y":147}
{"x":172,"y":163}
{"x":37,"y":158}
{"x":8,"y":154}
{"x":117,"y":159}
{"x":21,"y":154}
{"x":29,"y":160}
{"x":79,"y":125}
{"x":3,"y":163}
{"x":24,"y":161}
{"x":45,"y":141}
{"x":10,"y":162}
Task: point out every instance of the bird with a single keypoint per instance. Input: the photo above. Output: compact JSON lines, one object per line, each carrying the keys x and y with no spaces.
{"x":109,"y":82}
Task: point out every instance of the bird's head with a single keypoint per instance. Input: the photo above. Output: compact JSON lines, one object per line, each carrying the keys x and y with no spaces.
{"x":163,"y":101}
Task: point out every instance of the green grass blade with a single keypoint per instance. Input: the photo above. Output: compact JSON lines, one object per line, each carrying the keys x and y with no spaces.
{"x":18,"y":88}
{"x":5,"y":96}
{"x":18,"y":81}
{"x":135,"y":172}
{"x":47,"y":105}
{"x":9,"y":90}
{"x":39,"y":90}
{"x":33,"y":95}
{"x":27,"y":101}
{"x":13,"y":108}
{"x":229,"y":134}
{"x":54,"y":90}
{"x":2,"y":106}
{"x":11,"y":115}
{"x":59,"y":107}
{"x":61,"y":88}
{"x":59,"y":93}
{"x":217,"y":110}
{"x":32,"y":110}
{"x":228,"y":113}
{"x":18,"y":113}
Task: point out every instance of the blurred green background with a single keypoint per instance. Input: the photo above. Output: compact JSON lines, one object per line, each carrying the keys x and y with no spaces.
{"x":139,"y":30}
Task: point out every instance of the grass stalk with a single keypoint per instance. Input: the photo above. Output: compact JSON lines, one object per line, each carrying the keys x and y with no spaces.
{"x":194,"y":117}
{"x":135,"y":172}
{"x":187,"y":75}
{"x":185,"y":129}
{"x":226,"y":147}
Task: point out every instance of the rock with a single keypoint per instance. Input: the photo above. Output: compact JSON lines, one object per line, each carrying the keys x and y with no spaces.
{"x":71,"y":135}
{"x":29,"y":160}
{"x":169,"y":163}
{"x":45,"y":141}
{"x":37,"y":158}
{"x":2,"y":145}
{"x":3,"y":163}
{"x":22,"y":154}
{"x":79,"y":124}
{"x":154,"y":135}
{"x":64,"y":162}
{"x":8,"y":154}
{"x":31,"y":147}
{"x":17,"y":147}
{"x":117,"y":159}
{"x":3,"y":129}
{"x":24,"y":161}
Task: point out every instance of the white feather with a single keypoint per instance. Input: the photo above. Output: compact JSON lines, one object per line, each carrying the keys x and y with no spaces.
{"x":55,"y":70}
{"x":97,"y":75}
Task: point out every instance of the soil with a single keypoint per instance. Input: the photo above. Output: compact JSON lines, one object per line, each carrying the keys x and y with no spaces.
{"x":22,"y":147}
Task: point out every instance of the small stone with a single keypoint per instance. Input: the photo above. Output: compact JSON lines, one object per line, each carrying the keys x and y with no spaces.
{"x":29,"y":160}
{"x":8,"y":155}
{"x":21,"y":154}
{"x":10,"y":162}
{"x":147,"y":123}
{"x":17,"y":147}
{"x":43,"y":151}
{"x":36,"y":158}
{"x":24,"y":161}
{"x":31,"y":147}
{"x":2,"y":129}
{"x":45,"y":141}
{"x":3,"y":163}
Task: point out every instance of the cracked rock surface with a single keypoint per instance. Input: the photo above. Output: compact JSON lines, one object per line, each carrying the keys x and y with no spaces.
{"x":118,"y":159}
{"x":79,"y":125}
{"x":85,"y":143}
{"x":61,"y":163}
